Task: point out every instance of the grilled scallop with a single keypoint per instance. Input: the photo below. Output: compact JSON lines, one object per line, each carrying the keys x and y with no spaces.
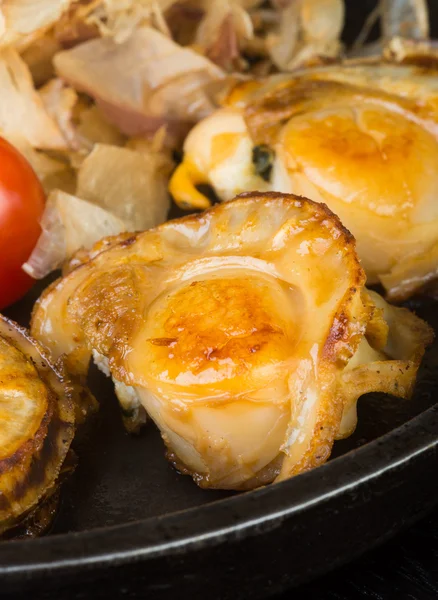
{"x":36,"y":430}
{"x":360,"y":136}
{"x":245,"y":332}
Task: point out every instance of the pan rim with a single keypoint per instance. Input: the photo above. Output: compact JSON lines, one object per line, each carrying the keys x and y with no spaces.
{"x":239,"y":516}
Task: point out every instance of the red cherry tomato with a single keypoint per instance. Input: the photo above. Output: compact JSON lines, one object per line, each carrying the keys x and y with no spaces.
{"x":21,"y":206}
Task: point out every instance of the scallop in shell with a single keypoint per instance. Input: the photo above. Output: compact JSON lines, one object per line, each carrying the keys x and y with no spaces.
{"x":361,"y":136}
{"x":37,"y":425}
{"x":245,"y":332}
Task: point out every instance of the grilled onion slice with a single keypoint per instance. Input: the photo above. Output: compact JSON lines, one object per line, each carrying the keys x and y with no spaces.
{"x":36,"y":430}
{"x":245,"y":332}
{"x":360,"y":136}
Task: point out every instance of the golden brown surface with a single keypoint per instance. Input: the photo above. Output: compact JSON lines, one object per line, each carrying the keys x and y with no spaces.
{"x":23,"y":399}
{"x":245,"y":332}
{"x":361,"y":137}
{"x":36,"y":425}
{"x":224,"y":326}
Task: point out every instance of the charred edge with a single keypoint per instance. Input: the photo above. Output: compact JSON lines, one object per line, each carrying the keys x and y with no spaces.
{"x":338,"y":332}
{"x":322,"y":441}
{"x":4,"y":503}
{"x":281,"y":102}
{"x":36,"y":522}
{"x":270,"y":196}
{"x":424,"y":62}
{"x":340,"y":329}
{"x":39,"y":451}
{"x":128,"y":242}
{"x":301,"y":201}
{"x":163,"y":341}
{"x":349,"y":237}
{"x":49,"y":457}
{"x":35,"y":476}
{"x":29,"y":447}
{"x":220,"y":207}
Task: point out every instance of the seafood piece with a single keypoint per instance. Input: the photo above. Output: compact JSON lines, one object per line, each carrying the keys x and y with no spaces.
{"x":37,"y":426}
{"x":361,"y":137}
{"x":245,"y":332}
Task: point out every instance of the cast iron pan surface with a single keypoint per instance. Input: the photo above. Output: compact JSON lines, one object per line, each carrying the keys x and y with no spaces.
{"x":129,"y":522}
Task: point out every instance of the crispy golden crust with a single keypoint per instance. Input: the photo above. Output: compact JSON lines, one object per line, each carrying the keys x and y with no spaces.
{"x":38,"y":423}
{"x":360,"y":136}
{"x":235,"y":327}
{"x":266,"y":112}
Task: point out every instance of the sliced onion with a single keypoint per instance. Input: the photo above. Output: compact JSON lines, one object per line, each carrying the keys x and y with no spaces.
{"x":131,"y":185}
{"x":68,"y":224}
{"x":21,"y":21}
{"x":39,"y":56}
{"x":59,"y":101}
{"x":123,"y":78}
{"x":22,"y":112}
{"x":54,"y":173}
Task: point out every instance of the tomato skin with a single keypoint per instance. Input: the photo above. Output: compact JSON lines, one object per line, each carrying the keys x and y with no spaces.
{"x":22,"y":202}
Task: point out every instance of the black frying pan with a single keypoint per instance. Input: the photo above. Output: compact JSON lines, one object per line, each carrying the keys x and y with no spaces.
{"x":130,"y":524}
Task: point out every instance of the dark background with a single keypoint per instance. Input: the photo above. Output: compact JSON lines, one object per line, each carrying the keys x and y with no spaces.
{"x":407,"y":567}
{"x":404,"y":569}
